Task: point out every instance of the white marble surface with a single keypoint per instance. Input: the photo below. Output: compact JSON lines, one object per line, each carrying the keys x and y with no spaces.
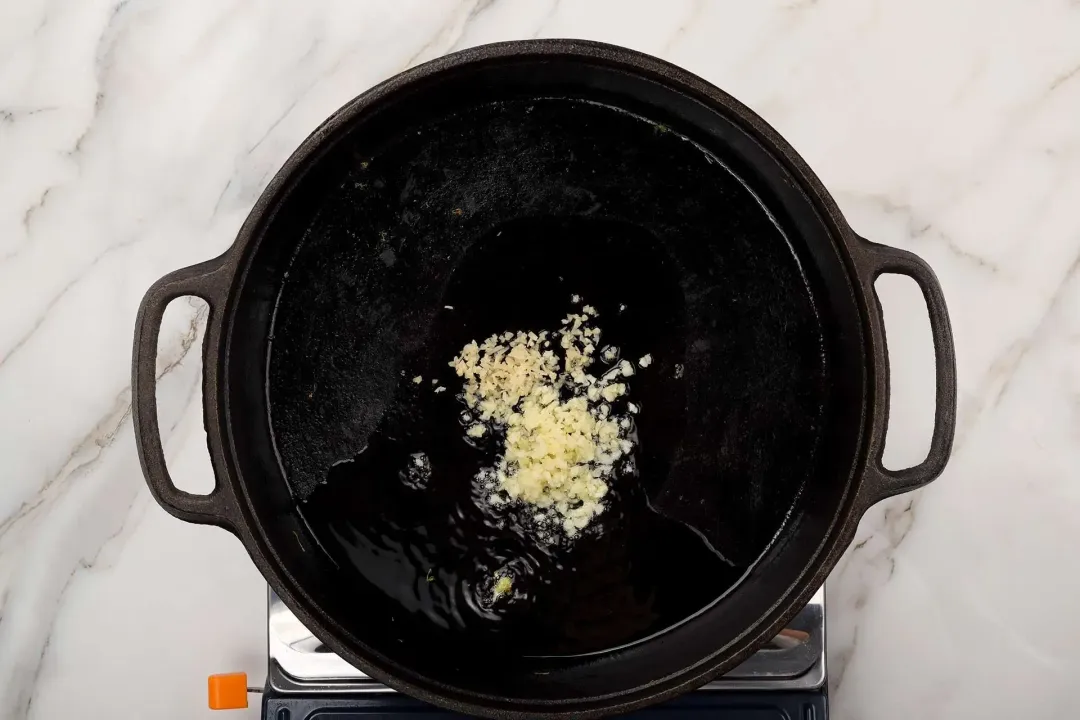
{"x":135,"y":136}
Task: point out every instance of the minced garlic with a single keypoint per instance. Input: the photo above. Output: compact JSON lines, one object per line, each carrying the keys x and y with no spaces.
{"x":561,"y":438}
{"x":503,"y":585}
{"x":613,"y":391}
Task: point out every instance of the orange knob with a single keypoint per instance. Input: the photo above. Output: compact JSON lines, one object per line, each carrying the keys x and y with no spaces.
{"x":228,"y":691}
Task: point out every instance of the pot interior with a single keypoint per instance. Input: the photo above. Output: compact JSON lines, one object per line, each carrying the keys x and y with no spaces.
{"x":481,"y":200}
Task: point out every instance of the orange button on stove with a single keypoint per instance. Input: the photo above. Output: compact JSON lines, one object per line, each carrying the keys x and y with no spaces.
{"x":228,"y":691}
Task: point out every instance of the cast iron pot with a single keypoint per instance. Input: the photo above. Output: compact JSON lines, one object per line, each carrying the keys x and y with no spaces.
{"x":336,"y":287}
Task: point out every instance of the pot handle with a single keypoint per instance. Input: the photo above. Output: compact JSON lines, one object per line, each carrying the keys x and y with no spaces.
{"x":879,"y":483}
{"x":210,"y":281}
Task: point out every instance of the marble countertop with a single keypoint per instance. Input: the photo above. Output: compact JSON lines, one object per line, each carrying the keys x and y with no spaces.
{"x":136,"y":135}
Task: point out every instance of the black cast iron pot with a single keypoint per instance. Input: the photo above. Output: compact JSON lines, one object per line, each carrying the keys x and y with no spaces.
{"x":483,"y":180}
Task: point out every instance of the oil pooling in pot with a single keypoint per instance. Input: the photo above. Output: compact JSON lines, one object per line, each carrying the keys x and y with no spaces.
{"x":439,"y":548}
